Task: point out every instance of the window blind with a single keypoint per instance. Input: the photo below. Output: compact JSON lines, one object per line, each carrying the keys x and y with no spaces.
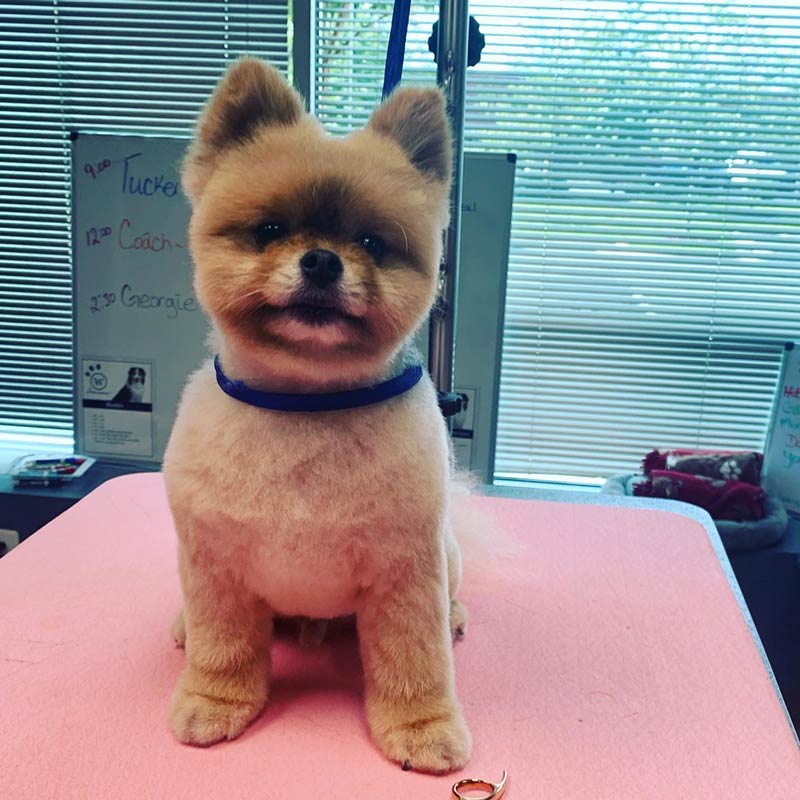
{"x":654,"y":270}
{"x":131,"y":67}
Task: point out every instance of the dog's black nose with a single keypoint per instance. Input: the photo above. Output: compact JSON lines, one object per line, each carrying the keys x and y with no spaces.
{"x":321,"y":267}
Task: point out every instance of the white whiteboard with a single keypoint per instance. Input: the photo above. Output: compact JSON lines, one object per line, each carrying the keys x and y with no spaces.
{"x":134,"y":306}
{"x":782,"y":448}
{"x":136,"y":314}
{"x":487,"y":197}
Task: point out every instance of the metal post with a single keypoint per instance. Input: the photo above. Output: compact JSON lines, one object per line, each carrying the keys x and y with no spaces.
{"x":303,"y":49}
{"x":451,"y":58}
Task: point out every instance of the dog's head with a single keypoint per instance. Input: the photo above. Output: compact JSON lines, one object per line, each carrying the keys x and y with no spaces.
{"x":312,"y":252}
{"x":136,"y":376}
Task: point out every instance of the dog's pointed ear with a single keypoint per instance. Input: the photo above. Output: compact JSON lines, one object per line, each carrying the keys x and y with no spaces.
{"x":417,"y":120}
{"x":249,"y":96}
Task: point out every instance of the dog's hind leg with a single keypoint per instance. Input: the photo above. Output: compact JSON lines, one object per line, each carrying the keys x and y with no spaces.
{"x":458,"y":614}
{"x":178,"y":630}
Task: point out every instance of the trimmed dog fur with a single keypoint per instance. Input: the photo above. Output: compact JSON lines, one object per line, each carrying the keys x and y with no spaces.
{"x":317,"y":259}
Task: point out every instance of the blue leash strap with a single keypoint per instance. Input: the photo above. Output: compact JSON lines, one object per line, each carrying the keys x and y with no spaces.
{"x":331,"y":401}
{"x":397,"y":46}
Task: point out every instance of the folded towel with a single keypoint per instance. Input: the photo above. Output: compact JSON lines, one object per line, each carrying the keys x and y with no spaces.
{"x":730,"y":500}
{"x":733,"y":465}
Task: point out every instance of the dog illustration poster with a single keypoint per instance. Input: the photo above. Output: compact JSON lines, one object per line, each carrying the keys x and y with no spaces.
{"x":465,"y":419}
{"x":464,"y":426}
{"x":117,"y":407}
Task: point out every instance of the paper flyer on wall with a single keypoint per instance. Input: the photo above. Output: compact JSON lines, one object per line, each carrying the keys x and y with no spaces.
{"x":117,"y":407}
{"x":781,"y":475}
{"x":464,"y":426}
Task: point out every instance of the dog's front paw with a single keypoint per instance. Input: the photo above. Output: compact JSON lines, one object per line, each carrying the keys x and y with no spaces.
{"x":202,"y":720}
{"x":434,"y":745}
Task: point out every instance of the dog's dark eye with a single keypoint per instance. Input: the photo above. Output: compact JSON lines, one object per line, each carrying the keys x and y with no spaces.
{"x":268,"y":232}
{"x":373,"y":244}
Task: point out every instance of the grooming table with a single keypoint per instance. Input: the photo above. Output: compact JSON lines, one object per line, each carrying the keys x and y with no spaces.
{"x":607,"y":658}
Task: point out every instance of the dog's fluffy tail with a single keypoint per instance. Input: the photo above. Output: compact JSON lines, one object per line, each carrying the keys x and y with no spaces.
{"x":478,"y":532}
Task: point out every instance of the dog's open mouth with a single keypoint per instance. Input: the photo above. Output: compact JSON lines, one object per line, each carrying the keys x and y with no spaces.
{"x":321,"y":311}
{"x":318,"y":315}
{"x":318,"y":307}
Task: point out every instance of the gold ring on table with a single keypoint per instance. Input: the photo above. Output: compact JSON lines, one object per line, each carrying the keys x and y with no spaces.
{"x":495,"y":789}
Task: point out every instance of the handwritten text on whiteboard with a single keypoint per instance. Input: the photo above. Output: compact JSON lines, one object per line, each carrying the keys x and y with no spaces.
{"x":146,"y":185}
{"x":172,"y":305}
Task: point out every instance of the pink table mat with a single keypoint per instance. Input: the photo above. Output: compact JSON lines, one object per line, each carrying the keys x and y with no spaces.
{"x":608,"y":659}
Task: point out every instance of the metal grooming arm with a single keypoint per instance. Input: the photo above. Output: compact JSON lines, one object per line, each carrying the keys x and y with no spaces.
{"x":451,"y":59}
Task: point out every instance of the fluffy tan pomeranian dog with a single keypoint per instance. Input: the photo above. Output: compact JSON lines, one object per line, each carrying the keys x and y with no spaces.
{"x":317,"y":260}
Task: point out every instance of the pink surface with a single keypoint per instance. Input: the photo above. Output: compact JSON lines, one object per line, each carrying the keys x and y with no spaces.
{"x":611,"y":661}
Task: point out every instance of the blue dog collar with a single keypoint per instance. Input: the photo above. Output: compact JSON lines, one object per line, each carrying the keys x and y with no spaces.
{"x":330,"y":401}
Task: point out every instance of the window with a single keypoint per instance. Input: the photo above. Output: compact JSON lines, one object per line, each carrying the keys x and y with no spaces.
{"x":654,"y":271}
{"x":121,"y":67}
